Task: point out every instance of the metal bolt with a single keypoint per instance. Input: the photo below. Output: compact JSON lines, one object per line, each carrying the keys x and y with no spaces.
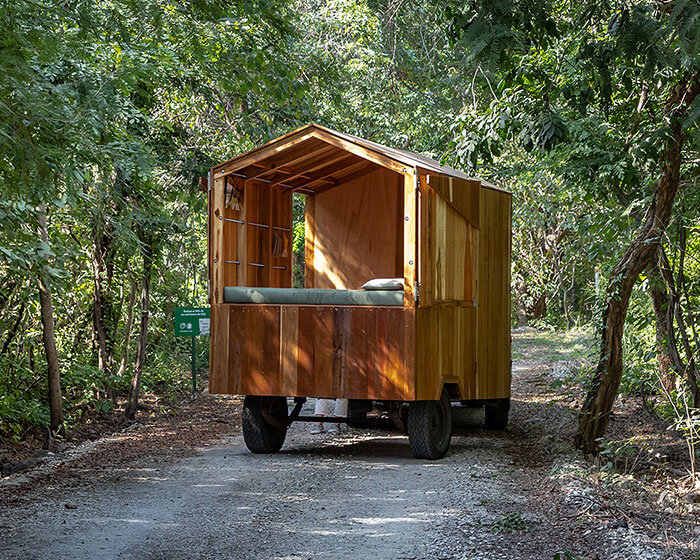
{"x":406,"y":218}
{"x":410,"y":262}
{"x":214,"y":261}
{"x":221,"y":217}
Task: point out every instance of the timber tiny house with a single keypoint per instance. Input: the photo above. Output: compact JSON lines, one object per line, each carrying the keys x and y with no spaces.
{"x":406,"y":305}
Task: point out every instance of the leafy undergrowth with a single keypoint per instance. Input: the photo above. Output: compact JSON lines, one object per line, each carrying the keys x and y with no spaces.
{"x":637,"y":495}
{"x":163,"y":428}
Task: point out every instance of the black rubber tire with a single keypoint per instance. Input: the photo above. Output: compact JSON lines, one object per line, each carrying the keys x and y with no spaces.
{"x":496,"y":415}
{"x":261,"y":436}
{"x":429,"y":426}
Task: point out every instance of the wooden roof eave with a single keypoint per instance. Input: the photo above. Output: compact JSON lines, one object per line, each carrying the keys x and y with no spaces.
{"x":365,"y":153}
{"x":399,"y":161}
{"x":485,"y":184}
{"x":265,"y":151}
{"x":303,"y":134}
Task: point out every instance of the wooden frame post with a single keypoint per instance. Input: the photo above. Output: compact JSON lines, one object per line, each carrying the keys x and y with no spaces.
{"x":217,"y":240}
{"x":410,"y":229}
{"x":309,"y":241}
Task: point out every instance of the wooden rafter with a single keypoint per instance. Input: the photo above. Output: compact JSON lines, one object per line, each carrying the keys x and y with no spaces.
{"x":359,"y":150}
{"x":295,"y":155}
{"x":325,"y":175}
{"x":310,"y":168}
{"x":291,"y":155}
{"x":368,"y":167}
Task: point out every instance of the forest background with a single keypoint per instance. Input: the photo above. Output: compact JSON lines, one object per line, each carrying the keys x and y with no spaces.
{"x":112,"y":112}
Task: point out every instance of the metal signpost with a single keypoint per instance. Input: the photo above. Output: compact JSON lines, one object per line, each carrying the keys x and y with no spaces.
{"x":192,"y":321}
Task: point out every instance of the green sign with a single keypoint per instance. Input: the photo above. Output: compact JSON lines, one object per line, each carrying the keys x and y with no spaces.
{"x":191,"y":321}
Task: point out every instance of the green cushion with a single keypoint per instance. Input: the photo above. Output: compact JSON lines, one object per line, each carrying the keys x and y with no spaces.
{"x":303,"y":296}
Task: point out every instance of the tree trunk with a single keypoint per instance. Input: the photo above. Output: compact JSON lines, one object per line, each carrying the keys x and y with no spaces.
{"x":521,"y":311}
{"x":49,"y":336}
{"x":127,"y":329}
{"x":674,"y":310}
{"x":102,"y":309}
{"x":659,"y":299}
{"x":135,"y":386}
{"x":14,"y":329}
{"x":597,"y":406}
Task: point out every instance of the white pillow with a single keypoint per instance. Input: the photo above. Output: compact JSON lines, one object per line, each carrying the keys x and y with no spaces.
{"x":384,"y":284}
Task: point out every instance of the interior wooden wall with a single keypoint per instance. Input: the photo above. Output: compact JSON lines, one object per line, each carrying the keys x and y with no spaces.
{"x":313,"y":351}
{"x":493,"y":296}
{"x":355,"y":232}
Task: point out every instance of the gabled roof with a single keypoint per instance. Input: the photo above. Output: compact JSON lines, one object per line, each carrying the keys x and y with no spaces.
{"x":411,"y":159}
{"x":317,"y":151}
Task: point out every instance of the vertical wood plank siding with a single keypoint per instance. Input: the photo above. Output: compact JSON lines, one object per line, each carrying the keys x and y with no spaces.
{"x":493,"y":296}
{"x":319,"y":351}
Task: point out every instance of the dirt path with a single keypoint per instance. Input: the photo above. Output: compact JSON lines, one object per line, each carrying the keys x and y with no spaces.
{"x":321,"y":497}
{"x":357,"y":495}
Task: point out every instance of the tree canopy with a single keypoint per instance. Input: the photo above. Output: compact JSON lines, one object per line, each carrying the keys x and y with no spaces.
{"x":110,"y":113}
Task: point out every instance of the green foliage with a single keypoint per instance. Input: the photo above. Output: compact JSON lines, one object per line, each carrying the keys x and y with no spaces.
{"x":111,"y":112}
{"x":510,"y":522}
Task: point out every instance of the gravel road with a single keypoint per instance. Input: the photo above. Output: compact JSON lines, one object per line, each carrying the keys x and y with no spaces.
{"x":347,"y":496}
{"x":177,"y":490}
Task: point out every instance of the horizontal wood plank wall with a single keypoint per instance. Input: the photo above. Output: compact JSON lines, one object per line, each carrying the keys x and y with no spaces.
{"x":352,"y":236}
{"x":460,"y":194}
{"x":493,"y":296}
{"x":313,"y":351}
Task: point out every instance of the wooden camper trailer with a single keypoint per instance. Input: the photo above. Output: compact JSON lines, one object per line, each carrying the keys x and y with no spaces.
{"x":371,"y":212}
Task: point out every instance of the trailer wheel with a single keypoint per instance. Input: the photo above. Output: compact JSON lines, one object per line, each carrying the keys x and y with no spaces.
{"x":429,"y":426}
{"x":496,"y":415}
{"x":264,"y":423}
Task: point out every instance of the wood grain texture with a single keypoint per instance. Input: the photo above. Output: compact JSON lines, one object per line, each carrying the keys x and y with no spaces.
{"x":217,"y":243}
{"x":309,"y":241}
{"x":313,"y":351}
{"x":448,"y":246}
{"x":445,"y":350}
{"x":410,"y":234}
{"x":219,"y":354}
{"x":352,"y":233}
{"x":493,"y":296}
{"x":284,"y":145}
{"x":461,"y":194}
{"x":353,"y":148}
{"x":289,"y":347}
